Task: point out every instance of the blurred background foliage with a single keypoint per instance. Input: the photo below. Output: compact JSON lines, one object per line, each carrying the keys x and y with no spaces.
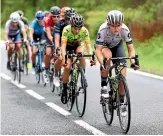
{"x":143,"y":17}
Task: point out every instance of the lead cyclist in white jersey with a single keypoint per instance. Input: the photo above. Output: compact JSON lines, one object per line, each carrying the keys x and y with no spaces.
{"x":13,"y":28}
{"x":109,"y":43}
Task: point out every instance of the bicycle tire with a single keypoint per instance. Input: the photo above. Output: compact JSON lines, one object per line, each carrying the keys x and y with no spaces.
{"x":108,"y":108}
{"x":127,"y":95}
{"x":70,"y":93}
{"x":84,"y":91}
{"x":19,"y":72}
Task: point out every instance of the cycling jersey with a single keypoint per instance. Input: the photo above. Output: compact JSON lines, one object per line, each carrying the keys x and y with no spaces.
{"x":25,"y":21}
{"x":69,"y":38}
{"x":14,"y":30}
{"x":59,"y":26}
{"x":49,"y":23}
{"x":106,"y":38}
{"x":38,"y":29}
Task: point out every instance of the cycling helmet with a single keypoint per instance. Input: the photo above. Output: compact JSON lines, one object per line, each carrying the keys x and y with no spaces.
{"x":68,"y":12}
{"x":39,"y":15}
{"x":115,"y":17}
{"x":46,"y":12}
{"x":20,"y":12}
{"x":55,"y":10}
{"x":77,"y":20}
{"x":63,"y":11}
{"x":73,"y":11}
{"x":14,"y":17}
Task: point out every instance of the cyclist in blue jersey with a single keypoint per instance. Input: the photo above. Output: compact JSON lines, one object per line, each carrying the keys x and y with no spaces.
{"x":36,"y":33}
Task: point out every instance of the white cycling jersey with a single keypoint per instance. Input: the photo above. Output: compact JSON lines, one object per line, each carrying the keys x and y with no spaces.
{"x":106,"y":38}
{"x":14,"y":30}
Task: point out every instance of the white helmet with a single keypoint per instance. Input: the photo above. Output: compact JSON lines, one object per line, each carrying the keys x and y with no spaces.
{"x":115,"y":17}
{"x":14,"y":17}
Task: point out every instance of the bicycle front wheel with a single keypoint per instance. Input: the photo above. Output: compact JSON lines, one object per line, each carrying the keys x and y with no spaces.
{"x":81,"y":93}
{"x":71,"y":92}
{"x":124,"y":108}
{"x":107,"y":107}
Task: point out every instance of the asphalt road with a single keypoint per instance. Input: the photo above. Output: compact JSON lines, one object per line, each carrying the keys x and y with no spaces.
{"x":27,"y":114}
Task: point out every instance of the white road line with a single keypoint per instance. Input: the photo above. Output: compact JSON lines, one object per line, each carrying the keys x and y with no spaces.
{"x":57,"y":108}
{"x":89,"y":127}
{"x":17,"y":84}
{"x":5,"y":76}
{"x":34,"y":94}
{"x":145,"y":74}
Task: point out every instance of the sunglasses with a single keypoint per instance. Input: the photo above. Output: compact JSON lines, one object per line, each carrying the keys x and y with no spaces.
{"x":55,"y":16}
{"x":118,"y":25}
{"x":40,"y":18}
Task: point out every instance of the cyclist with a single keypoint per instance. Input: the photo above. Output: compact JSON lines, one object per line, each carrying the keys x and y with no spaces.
{"x":109,"y":44}
{"x":36,"y":33}
{"x":26,"y":25}
{"x":13,"y":27}
{"x":58,"y":33}
{"x":72,"y":37}
{"x":24,"y":19}
{"x":50,"y":23}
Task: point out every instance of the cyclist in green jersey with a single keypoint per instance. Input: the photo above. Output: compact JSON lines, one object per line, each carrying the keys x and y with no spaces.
{"x":72,"y":37}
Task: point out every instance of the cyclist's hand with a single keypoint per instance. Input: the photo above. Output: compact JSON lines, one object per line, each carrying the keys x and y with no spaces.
{"x":25,"y":41}
{"x":93,"y":62}
{"x":134,"y":66}
{"x":103,"y":69}
{"x":7,"y":42}
{"x":31,"y":43}
{"x":63,"y":63}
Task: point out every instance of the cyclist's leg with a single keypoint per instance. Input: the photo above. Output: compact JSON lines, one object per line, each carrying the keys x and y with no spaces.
{"x":80,"y":49}
{"x":65,"y":77}
{"x":34,"y":50}
{"x":9,"y":52}
{"x":106,"y":52}
{"x":120,"y":52}
{"x":18,"y":40}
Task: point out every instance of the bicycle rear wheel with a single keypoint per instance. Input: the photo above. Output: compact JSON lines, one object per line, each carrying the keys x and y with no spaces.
{"x":124,"y":108}
{"x":70,"y":92}
{"x":81,"y":93}
{"x":107,"y":107}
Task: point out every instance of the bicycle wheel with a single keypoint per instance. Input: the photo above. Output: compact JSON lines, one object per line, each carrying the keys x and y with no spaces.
{"x":14,"y":66}
{"x":107,"y":107}
{"x":124,"y":108}
{"x":38,"y":74}
{"x":81,"y":93}
{"x":70,"y":92}
{"x":18,"y":71}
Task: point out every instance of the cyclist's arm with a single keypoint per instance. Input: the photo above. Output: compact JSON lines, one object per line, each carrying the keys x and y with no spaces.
{"x":6,"y":31}
{"x":31,"y":32}
{"x":99,"y":45}
{"x":57,"y":35}
{"x":48,"y":32}
{"x":131,"y":52}
{"x":99,"y":54}
{"x":6,"y":36}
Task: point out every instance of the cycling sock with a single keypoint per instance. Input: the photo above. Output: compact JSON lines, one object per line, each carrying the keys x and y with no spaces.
{"x":103,"y":81}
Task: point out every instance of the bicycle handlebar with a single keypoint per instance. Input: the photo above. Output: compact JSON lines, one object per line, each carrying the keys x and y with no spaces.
{"x":121,"y":58}
{"x":78,"y":56}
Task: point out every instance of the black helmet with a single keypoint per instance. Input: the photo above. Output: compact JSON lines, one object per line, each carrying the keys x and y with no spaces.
{"x":68,"y":12}
{"x":20,"y":12}
{"x":55,"y":10}
{"x":77,"y":20}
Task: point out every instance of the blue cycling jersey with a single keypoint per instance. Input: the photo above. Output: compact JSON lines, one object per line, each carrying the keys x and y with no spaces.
{"x":38,"y":29}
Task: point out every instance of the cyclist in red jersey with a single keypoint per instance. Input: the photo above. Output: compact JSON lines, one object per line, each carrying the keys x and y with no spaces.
{"x":50,"y":22}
